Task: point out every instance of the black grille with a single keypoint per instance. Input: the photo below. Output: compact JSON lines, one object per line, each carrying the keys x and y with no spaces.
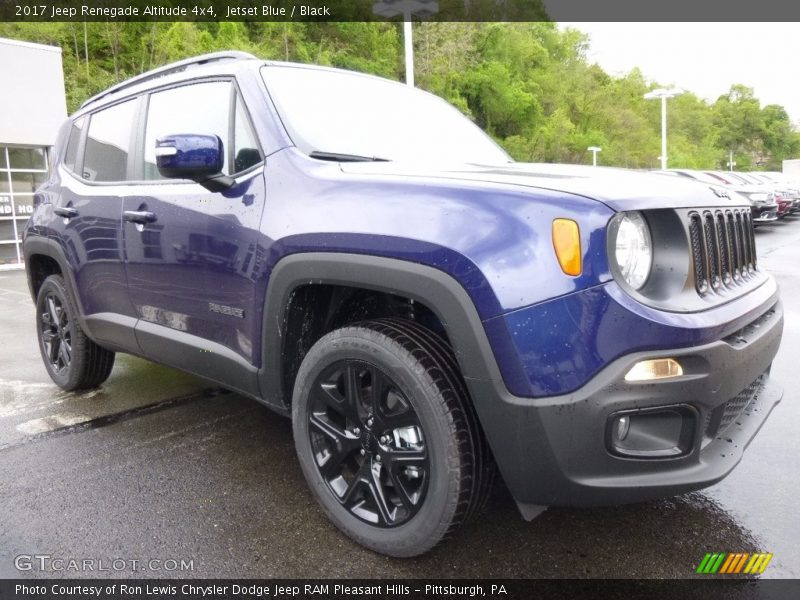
{"x":719,"y":419}
{"x":712,"y":250}
{"x":723,"y":248}
{"x":697,"y":252}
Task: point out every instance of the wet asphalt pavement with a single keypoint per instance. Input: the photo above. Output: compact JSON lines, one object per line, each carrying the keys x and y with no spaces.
{"x":158,"y":465}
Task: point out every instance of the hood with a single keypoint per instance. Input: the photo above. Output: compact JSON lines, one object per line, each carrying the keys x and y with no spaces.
{"x":620,"y":189}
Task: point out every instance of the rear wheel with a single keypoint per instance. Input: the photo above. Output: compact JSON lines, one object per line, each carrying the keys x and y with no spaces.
{"x":72,"y":360}
{"x":386,"y":438}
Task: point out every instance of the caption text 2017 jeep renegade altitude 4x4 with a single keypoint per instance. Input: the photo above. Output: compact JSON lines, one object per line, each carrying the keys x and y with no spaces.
{"x":357,"y":255}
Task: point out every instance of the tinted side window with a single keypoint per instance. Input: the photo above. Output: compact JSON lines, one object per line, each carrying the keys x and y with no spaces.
{"x":108,"y":143}
{"x":245,"y":147}
{"x":201,"y":108}
{"x":71,"y":153}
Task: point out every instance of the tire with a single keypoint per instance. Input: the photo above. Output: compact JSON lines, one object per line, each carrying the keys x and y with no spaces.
{"x":73,"y":361}
{"x":404,"y":481}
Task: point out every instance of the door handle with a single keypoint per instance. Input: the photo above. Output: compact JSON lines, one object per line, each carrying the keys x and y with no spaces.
{"x":142,"y":217}
{"x":66,"y":211}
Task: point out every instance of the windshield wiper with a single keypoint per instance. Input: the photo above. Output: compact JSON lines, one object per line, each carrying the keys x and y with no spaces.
{"x":339,"y":157}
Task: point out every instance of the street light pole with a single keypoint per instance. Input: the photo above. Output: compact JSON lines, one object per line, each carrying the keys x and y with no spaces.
{"x":663,"y":94}
{"x":594,"y":150}
{"x":731,"y":164}
{"x":409,"y":49}
{"x":663,"y":133}
{"x":408,"y":9}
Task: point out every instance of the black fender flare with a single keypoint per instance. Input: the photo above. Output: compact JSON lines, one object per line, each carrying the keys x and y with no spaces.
{"x":39,"y":245}
{"x":432,"y":287}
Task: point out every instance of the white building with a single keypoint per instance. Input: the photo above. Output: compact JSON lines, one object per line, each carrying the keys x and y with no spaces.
{"x":32,"y":108}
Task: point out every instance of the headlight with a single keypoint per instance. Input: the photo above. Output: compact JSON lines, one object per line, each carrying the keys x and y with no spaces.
{"x":632,"y":248}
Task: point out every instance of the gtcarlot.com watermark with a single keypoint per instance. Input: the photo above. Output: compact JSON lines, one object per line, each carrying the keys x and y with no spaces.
{"x":46,"y":563}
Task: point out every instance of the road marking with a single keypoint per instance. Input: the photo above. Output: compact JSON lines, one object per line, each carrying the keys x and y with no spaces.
{"x":16,"y":397}
{"x":51,"y":423}
{"x":59,"y":424}
{"x":21,"y":406}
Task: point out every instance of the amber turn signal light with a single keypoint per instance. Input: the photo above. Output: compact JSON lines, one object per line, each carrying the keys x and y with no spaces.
{"x":567,"y":244}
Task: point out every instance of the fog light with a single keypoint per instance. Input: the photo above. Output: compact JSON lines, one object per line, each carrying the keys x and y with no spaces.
{"x":621,"y":428}
{"x":657,"y":368}
{"x":658,"y":432}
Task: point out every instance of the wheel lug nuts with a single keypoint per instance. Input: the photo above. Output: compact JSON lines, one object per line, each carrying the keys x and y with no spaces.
{"x":378,"y":458}
{"x":363,"y":452}
{"x":356,"y":431}
{"x":369,"y":422}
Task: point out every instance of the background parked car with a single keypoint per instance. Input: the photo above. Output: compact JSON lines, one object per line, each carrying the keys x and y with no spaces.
{"x":789,"y":189}
{"x":780,"y":196}
{"x":762,"y":201}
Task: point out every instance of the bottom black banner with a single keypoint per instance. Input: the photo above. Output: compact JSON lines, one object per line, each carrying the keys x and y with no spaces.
{"x":409,"y":589}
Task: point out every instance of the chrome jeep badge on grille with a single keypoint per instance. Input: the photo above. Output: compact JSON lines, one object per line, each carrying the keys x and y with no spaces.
{"x":719,"y":192}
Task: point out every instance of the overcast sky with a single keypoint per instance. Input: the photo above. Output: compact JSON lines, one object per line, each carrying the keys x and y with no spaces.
{"x":705,"y":58}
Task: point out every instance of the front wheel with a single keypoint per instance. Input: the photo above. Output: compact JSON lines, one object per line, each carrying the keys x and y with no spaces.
{"x":386,"y":438}
{"x":72,"y":360}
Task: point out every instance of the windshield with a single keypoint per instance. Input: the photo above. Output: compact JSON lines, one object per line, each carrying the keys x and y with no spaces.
{"x":347,"y":116}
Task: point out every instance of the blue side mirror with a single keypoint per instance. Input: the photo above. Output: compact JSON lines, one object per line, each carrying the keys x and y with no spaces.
{"x":192,"y":156}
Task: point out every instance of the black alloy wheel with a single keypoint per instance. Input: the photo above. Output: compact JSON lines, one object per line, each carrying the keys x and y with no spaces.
{"x":56,"y":334}
{"x":387,"y":437}
{"x":72,"y":360}
{"x":368,"y":443}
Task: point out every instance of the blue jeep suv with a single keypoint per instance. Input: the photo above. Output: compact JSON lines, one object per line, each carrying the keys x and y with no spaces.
{"x":357,"y":255}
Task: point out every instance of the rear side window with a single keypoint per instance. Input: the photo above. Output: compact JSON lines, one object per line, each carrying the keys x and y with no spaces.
{"x":108,"y":143}
{"x":74,"y":139}
{"x":200,"y":108}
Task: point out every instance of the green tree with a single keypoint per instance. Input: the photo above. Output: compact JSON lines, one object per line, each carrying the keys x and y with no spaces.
{"x":529,"y":85}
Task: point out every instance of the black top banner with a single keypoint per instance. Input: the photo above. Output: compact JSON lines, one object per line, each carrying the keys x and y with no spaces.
{"x":398,"y":10}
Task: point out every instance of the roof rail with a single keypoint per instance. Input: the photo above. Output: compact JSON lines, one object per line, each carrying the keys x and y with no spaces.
{"x":175,"y":67}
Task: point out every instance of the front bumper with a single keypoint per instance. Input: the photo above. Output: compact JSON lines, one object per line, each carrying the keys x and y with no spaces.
{"x":765,"y":214}
{"x":555,"y":450}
